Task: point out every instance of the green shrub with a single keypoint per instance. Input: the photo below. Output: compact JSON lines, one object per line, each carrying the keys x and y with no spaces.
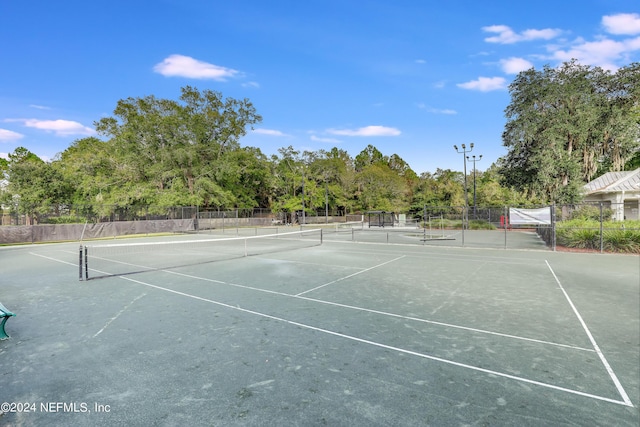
{"x":478,"y":224}
{"x":475,"y":224}
{"x":582,"y":233}
{"x":65,"y":220}
{"x":621,"y":240}
{"x":444,"y":223}
{"x":583,"y":238}
{"x":591,"y":212}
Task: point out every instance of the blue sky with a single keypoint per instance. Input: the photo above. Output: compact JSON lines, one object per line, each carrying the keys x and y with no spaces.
{"x":408,"y":77}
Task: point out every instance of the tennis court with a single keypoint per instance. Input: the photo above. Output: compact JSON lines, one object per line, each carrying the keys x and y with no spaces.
{"x":309,"y":331}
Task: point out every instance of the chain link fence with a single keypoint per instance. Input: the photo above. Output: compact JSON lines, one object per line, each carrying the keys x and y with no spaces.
{"x":79,"y":214}
{"x":581,"y":227}
{"x":587,"y":227}
{"x":596,"y":227}
{"x":76,"y":222}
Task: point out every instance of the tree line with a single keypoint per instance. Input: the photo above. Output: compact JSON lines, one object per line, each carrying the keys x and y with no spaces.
{"x":564,"y":126}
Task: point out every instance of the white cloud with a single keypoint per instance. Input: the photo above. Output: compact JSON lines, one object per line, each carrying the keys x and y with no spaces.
{"x":185,"y":66}
{"x":366,"y":131}
{"x":327,"y":140}
{"x":546,"y":34}
{"x":39,"y":107}
{"x":505,"y":35}
{"x":515,"y":65}
{"x":59,"y":127}
{"x":485,"y":84}
{"x":420,"y":61}
{"x":251,"y":84}
{"x":270,"y":132}
{"x":602,"y":52}
{"x":8,"y":135}
{"x":605,"y":53}
{"x":447,"y":111}
{"x":622,"y":23}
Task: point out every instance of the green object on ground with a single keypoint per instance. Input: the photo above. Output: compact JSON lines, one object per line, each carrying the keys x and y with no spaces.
{"x":4,"y":315}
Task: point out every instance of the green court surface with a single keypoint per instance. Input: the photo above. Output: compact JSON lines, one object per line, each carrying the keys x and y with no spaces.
{"x":340,"y":333}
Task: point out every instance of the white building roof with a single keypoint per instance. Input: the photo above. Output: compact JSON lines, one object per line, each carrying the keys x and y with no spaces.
{"x":615,"y":182}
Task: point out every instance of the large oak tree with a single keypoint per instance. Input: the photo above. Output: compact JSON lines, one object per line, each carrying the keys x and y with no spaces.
{"x":563,"y":123}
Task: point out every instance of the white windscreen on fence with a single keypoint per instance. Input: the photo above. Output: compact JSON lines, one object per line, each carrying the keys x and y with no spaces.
{"x":530,"y":216}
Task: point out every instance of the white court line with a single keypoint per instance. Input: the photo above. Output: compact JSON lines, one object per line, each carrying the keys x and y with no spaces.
{"x":388,"y":347}
{"x":448,"y":325}
{"x":625,"y":402}
{"x":367,"y":310}
{"x":350,"y":275}
{"x":383,"y":313}
{"x":443,"y":252}
{"x":613,"y":376}
{"x":118,"y":315}
{"x":75,"y":264}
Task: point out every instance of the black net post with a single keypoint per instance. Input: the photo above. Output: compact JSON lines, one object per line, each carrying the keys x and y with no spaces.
{"x":80,"y":263}
{"x":86,"y":265}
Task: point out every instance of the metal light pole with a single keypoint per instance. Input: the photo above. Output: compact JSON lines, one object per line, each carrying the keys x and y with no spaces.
{"x":464,"y":151}
{"x":474,"y":160}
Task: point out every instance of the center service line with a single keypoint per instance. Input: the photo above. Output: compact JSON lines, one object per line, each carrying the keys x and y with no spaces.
{"x":351,"y":275}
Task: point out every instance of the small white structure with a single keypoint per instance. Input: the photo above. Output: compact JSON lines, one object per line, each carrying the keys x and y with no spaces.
{"x":620,"y":189}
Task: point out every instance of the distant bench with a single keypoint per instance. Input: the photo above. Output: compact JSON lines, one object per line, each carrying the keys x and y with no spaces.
{"x":4,"y":315}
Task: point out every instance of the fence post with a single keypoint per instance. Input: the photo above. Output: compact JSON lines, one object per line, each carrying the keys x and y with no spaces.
{"x":506,"y":221}
{"x":601,"y":231}
{"x":553,"y":227}
{"x":424,"y":225}
{"x":464,"y":215}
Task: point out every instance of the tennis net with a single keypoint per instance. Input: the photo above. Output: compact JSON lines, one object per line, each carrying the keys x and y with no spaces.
{"x":104,"y":260}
